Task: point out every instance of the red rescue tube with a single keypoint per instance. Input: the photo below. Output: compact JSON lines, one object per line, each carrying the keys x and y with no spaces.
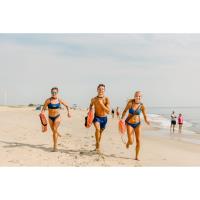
{"x":90,"y":118}
{"x":122,"y":127}
{"x":43,"y":122}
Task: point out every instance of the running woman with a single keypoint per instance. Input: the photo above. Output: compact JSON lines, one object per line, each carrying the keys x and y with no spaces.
{"x":133,"y":121}
{"x":54,"y":105}
{"x":101,"y":106}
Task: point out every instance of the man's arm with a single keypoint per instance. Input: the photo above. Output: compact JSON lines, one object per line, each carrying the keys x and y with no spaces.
{"x":106,"y":106}
{"x":91,"y":104}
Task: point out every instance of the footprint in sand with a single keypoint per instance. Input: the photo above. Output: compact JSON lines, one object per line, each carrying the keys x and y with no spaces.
{"x":14,"y":161}
{"x":97,"y":159}
{"x":137,"y":164}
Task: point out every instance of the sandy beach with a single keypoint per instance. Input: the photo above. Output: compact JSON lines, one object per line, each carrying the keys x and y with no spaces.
{"x":23,"y":144}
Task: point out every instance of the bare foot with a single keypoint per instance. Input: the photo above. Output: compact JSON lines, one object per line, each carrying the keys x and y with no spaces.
{"x":98,"y":150}
{"x":59,"y":134}
{"x":101,"y":155}
{"x":137,"y":159}
{"x":54,"y":150}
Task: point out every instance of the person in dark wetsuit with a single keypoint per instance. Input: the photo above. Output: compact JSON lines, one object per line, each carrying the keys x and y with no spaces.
{"x":54,"y":105}
{"x":133,"y":121}
{"x":113,"y":113}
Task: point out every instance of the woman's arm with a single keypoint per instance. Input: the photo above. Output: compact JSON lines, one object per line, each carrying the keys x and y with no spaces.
{"x":66,"y":106}
{"x":125,"y":110}
{"x":45,"y":106}
{"x":145,"y":115}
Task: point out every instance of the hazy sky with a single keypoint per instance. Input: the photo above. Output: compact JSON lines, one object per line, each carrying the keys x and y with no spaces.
{"x":165,"y":67}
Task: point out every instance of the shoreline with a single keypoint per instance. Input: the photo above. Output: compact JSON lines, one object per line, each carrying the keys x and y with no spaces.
{"x":188,"y":126}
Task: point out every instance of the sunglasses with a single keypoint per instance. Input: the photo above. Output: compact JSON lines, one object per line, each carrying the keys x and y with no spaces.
{"x":53,"y":93}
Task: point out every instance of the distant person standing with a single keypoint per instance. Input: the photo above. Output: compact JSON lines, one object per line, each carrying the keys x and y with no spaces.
{"x":173,"y":122}
{"x":180,"y":122}
{"x":118,"y":113}
{"x":113,"y":113}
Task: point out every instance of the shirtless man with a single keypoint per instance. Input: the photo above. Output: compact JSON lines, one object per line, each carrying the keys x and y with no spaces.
{"x":101,"y":105}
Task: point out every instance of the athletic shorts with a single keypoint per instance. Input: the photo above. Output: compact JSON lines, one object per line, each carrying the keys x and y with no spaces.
{"x":102,"y":121}
{"x":173,"y":122}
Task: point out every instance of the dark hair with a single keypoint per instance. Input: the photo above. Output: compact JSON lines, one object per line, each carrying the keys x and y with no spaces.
{"x":101,"y":85}
{"x":54,"y":88}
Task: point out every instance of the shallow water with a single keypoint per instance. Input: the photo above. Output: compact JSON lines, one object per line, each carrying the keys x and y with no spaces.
{"x":161,"y":116}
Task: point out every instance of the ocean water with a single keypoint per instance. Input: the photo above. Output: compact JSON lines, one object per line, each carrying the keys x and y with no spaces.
{"x":160,"y":116}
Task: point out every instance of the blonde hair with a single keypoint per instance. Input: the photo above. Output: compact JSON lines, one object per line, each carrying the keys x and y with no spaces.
{"x":137,"y":92}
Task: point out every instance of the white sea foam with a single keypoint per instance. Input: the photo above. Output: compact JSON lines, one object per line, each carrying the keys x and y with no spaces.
{"x":163,"y":122}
